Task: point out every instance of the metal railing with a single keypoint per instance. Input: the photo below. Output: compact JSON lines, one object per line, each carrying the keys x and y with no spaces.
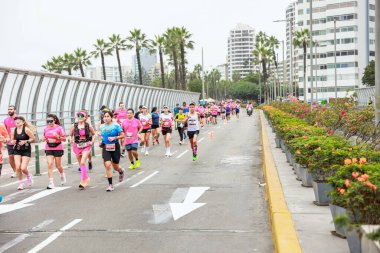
{"x":364,"y":94}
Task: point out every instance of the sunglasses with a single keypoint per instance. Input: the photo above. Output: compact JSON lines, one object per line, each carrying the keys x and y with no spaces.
{"x":81,"y":115}
{"x":49,"y":121}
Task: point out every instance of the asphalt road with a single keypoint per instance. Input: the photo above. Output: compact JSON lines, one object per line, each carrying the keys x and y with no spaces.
{"x":167,"y":205}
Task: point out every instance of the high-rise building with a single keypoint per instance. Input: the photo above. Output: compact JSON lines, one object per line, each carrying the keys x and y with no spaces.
{"x":291,"y":21}
{"x":148,"y":61}
{"x":355,"y":44}
{"x":112,"y":73}
{"x":241,"y":43}
{"x":223,"y":70}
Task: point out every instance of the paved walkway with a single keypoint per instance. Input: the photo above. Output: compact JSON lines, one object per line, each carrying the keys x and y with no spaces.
{"x":313,"y":223}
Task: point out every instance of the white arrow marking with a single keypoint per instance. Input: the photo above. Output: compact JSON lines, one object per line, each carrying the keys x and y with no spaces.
{"x":12,"y":207}
{"x":181,"y":209}
{"x":195,"y":193}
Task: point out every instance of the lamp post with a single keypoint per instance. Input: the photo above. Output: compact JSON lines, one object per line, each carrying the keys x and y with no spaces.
{"x":203,"y":79}
{"x":311,"y":54}
{"x":335,"y":72}
{"x":316,"y":70}
{"x":377,"y":60}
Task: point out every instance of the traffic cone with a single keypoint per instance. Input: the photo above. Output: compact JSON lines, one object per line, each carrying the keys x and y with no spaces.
{"x":211,"y":135}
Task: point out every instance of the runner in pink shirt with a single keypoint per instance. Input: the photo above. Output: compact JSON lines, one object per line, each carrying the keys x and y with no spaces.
{"x":121,"y":114}
{"x":202,"y":111}
{"x":10,"y":125}
{"x":131,"y":128}
{"x":54,"y":135}
{"x":214,"y":113}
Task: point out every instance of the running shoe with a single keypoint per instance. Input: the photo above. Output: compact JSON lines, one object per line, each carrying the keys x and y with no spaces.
{"x":63,"y":179}
{"x":110,"y":188}
{"x":132,"y":166}
{"x":158,"y":142}
{"x":123,"y":153}
{"x":146,"y":152}
{"x":84,"y":183}
{"x":20,"y":187}
{"x":137,"y":165}
{"x":143,"y":150}
{"x":30,"y":180}
{"x":195,"y":158}
{"x":50,"y":185}
{"x":14,"y":175}
{"x":121,"y":175}
{"x":90,"y":165}
{"x":180,"y":143}
{"x":79,"y":169}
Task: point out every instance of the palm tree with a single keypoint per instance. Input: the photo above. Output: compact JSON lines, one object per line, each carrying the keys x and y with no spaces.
{"x":49,"y":66}
{"x":68,"y":62}
{"x":273,"y":44}
{"x":82,"y":59}
{"x":158,"y":44}
{"x":184,"y":43}
{"x":302,"y":39}
{"x":139,"y":41}
{"x":102,"y":49}
{"x":118,"y":44}
{"x":171,"y":45}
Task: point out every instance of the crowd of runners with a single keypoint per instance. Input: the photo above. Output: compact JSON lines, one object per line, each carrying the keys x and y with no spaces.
{"x":120,"y":133}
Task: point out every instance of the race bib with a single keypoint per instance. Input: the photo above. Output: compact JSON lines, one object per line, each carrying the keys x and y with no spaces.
{"x":12,"y":129}
{"x":166,"y":123}
{"x":52,"y":140}
{"x":143,"y":123}
{"x":110,"y":147}
{"x":121,"y":120}
{"x":181,"y":125}
{"x":82,"y":144}
{"x":129,"y":135}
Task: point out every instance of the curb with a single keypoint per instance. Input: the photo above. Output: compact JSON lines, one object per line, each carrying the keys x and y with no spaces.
{"x":284,"y":235}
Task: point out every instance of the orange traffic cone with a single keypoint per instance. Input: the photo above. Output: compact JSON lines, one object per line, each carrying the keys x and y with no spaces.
{"x":211,"y":135}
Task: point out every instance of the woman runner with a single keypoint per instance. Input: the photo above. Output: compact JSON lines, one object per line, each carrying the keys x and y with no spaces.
{"x":166,"y":119}
{"x":201,"y":110}
{"x":131,"y":128}
{"x":193,"y":119}
{"x":83,"y":137}
{"x":21,"y":138}
{"x":54,"y":135}
{"x":146,"y":121}
{"x":111,"y":133}
{"x":121,"y":115}
{"x":180,"y":121}
{"x":155,"y":126}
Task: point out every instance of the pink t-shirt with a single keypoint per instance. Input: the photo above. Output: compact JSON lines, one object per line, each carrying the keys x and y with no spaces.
{"x":144,"y":119}
{"x":214,"y":110}
{"x":10,"y":125}
{"x":121,"y":115}
{"x":49,"y":134}
{"x":131,"y":129}
{"x":201,"y":110}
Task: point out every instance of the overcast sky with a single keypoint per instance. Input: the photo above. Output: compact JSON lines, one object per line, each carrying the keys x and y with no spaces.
{"x":32,"y":31}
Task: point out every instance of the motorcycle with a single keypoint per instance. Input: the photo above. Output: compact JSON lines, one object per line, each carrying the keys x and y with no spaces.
{"x":249,"y":112}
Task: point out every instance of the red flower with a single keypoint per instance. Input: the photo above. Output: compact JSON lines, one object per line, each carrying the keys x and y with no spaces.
{"x":342,"y":191}
{"x":343,"y":113}
{"x":355,"y":174}
{"x":347,"y":183}
{"x":324,"y":109}
{"x":330,"y":132}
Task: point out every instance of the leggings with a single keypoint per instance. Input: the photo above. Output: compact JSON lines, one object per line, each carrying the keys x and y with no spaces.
{"x":180,"y":131}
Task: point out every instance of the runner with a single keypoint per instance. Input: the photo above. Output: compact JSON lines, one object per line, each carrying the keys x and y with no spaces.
{"x":88,"y":121}
{"x":146,"y":121}
{"x":228,"y":112}
{"x":54,"y":135}
{"x":121,"y":115}
{"x":131,"y":128}
{"x":208,"y":114}
{"x":180,"y":122}
{"x":237,"y":109}
{"x":249,"y":108}
{"x":10,"y":125}
{"x":137,"y":114}
{"x":21,"y":137}
{"x":193,"y":119}
{"x":201,"y":110}
{"x":155,"y":126}
{"x":214,"y":113}
{"x":166,"y":119}
{"x":111,"y":133}
{"x":83,"y":135}
{"x":3,"y":139}
{"x":223,"y":112}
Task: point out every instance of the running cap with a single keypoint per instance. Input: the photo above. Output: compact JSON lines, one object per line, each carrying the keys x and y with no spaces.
{"x":144,"y":107}
{"x":165,"y":106}
{"x":192,"y":103}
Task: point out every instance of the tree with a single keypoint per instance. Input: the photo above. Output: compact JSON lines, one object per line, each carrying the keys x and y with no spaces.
{"x":82,"y":59}
{"x":243,"y":90}
{"x":195,"y":85}
{"x":184,"y":43}
{"x":139,"y":41}
{"x":253,"y":78}
{"x":55,"y":65}
{"x":236,"y":76}
{"x":118,"y":44}
{"x":171,"y":45}
{"x":369,"y":74}
{"x":68,"y":62}
{"x":302,"y":39}
{"x":102,"y":49}
{"x":158,"y":44}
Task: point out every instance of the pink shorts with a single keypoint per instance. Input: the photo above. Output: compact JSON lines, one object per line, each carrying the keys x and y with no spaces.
{"x":78,"y":151}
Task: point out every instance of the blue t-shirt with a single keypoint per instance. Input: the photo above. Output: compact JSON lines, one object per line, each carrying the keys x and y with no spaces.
{"x":185,"y":110}
{"x":155,"y":119}
{"x":228,"y":109}
{"x":176,"y":110}
{"x":111,"y":130}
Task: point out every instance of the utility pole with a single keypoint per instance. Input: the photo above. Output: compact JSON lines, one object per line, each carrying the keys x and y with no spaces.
{"x":283,"y":68}
{"x":291,"y":58}
{"x":203,"y":79}
{"x":335,"y":73}
{"x":311,"y":54}
{"x":377,"y":60}
{"x":316,"y":70}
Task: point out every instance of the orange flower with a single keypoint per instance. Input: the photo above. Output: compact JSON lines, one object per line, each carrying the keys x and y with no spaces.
{"x":306,"y":145}
{"x":355,"y":174}
{"x":370,"y":185}
{"x":304,"y":137}
{"x":298,"y":152}
{"x":347,"y":183}
{"x":363,"y":160}
{"x":365,"y":177}
{"x":350,"y":149}
{"x":347,"y":161}
{"x":354,"y":160}
{"x":296,"y":136}
{"x":342,"y":191}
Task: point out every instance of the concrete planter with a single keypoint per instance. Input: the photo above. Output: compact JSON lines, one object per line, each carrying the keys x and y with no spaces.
{"x":282,"y":143}
{"x":278,"y":142}
{"x":354,"y":237}
{"x":288,"y":155}
{"x":335,"y":211}
{"x":321,"y":193}
{"x":291,"y":160}
{"x":297,"y":170}
{"x":306,"y":177}
{"x":368,"y":245}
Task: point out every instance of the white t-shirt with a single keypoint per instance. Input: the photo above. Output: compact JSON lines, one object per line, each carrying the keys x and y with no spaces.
{"x":167,"y":120}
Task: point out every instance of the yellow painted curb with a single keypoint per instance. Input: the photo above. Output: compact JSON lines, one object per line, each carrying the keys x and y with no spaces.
{"x":284,"y":235}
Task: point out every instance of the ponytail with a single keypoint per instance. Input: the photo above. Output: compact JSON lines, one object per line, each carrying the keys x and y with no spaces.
{"x":26,"y":123}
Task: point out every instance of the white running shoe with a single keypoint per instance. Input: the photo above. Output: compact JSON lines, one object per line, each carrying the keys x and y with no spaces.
{"x":63,"y":179}
{"x":169,"y":154}
{"x":20,"y":187}
{"x":30,"y":180}
{"x":14,"y":175}
{"x":143,"y":150}
{"x":50,"y":186}
{"x":146,"y":152}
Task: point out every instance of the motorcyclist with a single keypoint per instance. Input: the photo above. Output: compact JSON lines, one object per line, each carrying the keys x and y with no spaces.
{"x":249,"y":108}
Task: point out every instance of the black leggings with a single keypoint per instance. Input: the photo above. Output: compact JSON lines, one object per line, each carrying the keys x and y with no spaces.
{"x":180,"y":131}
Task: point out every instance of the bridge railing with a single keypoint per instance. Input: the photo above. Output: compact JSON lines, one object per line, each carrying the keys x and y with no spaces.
{"x":35,"y":94}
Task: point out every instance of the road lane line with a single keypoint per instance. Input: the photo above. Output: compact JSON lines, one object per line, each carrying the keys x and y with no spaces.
{"x":14,"y":195}
{"x":6,"y":185}
{"x":22,"y":237}
{"x":54,"y":236}
{"x":201,"y":139}
{"x":145,"y":179}
{"x":180,"y":155}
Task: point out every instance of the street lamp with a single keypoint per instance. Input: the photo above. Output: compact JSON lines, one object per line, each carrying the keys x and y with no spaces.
{"x":203,"y":79}
{"x":335,"y":73}
{"x":311,"y":54}
{"x":377,"y":60}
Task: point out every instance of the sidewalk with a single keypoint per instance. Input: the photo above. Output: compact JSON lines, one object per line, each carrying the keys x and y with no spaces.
{"x":312,"y":223}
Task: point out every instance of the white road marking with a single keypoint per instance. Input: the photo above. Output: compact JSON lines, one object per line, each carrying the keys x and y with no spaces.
{"x":44,"y":173}
{"x":175,"y":152}
{"x":14,"y":195}
{"x":54,"y":236}
{"x":129,"y":178}
{"x":22,"y":237}
{"x":145,"y":179}
{"x":201,"y":139}
{"x":218,"y":127}
{"x":6,"y":185}
{"x":180,"y":155}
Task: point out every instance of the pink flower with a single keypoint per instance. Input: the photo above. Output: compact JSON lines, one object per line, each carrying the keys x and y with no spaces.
{"x":355,"y":174}
{"x":330,"y":132}
{"x":347,"y":183}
